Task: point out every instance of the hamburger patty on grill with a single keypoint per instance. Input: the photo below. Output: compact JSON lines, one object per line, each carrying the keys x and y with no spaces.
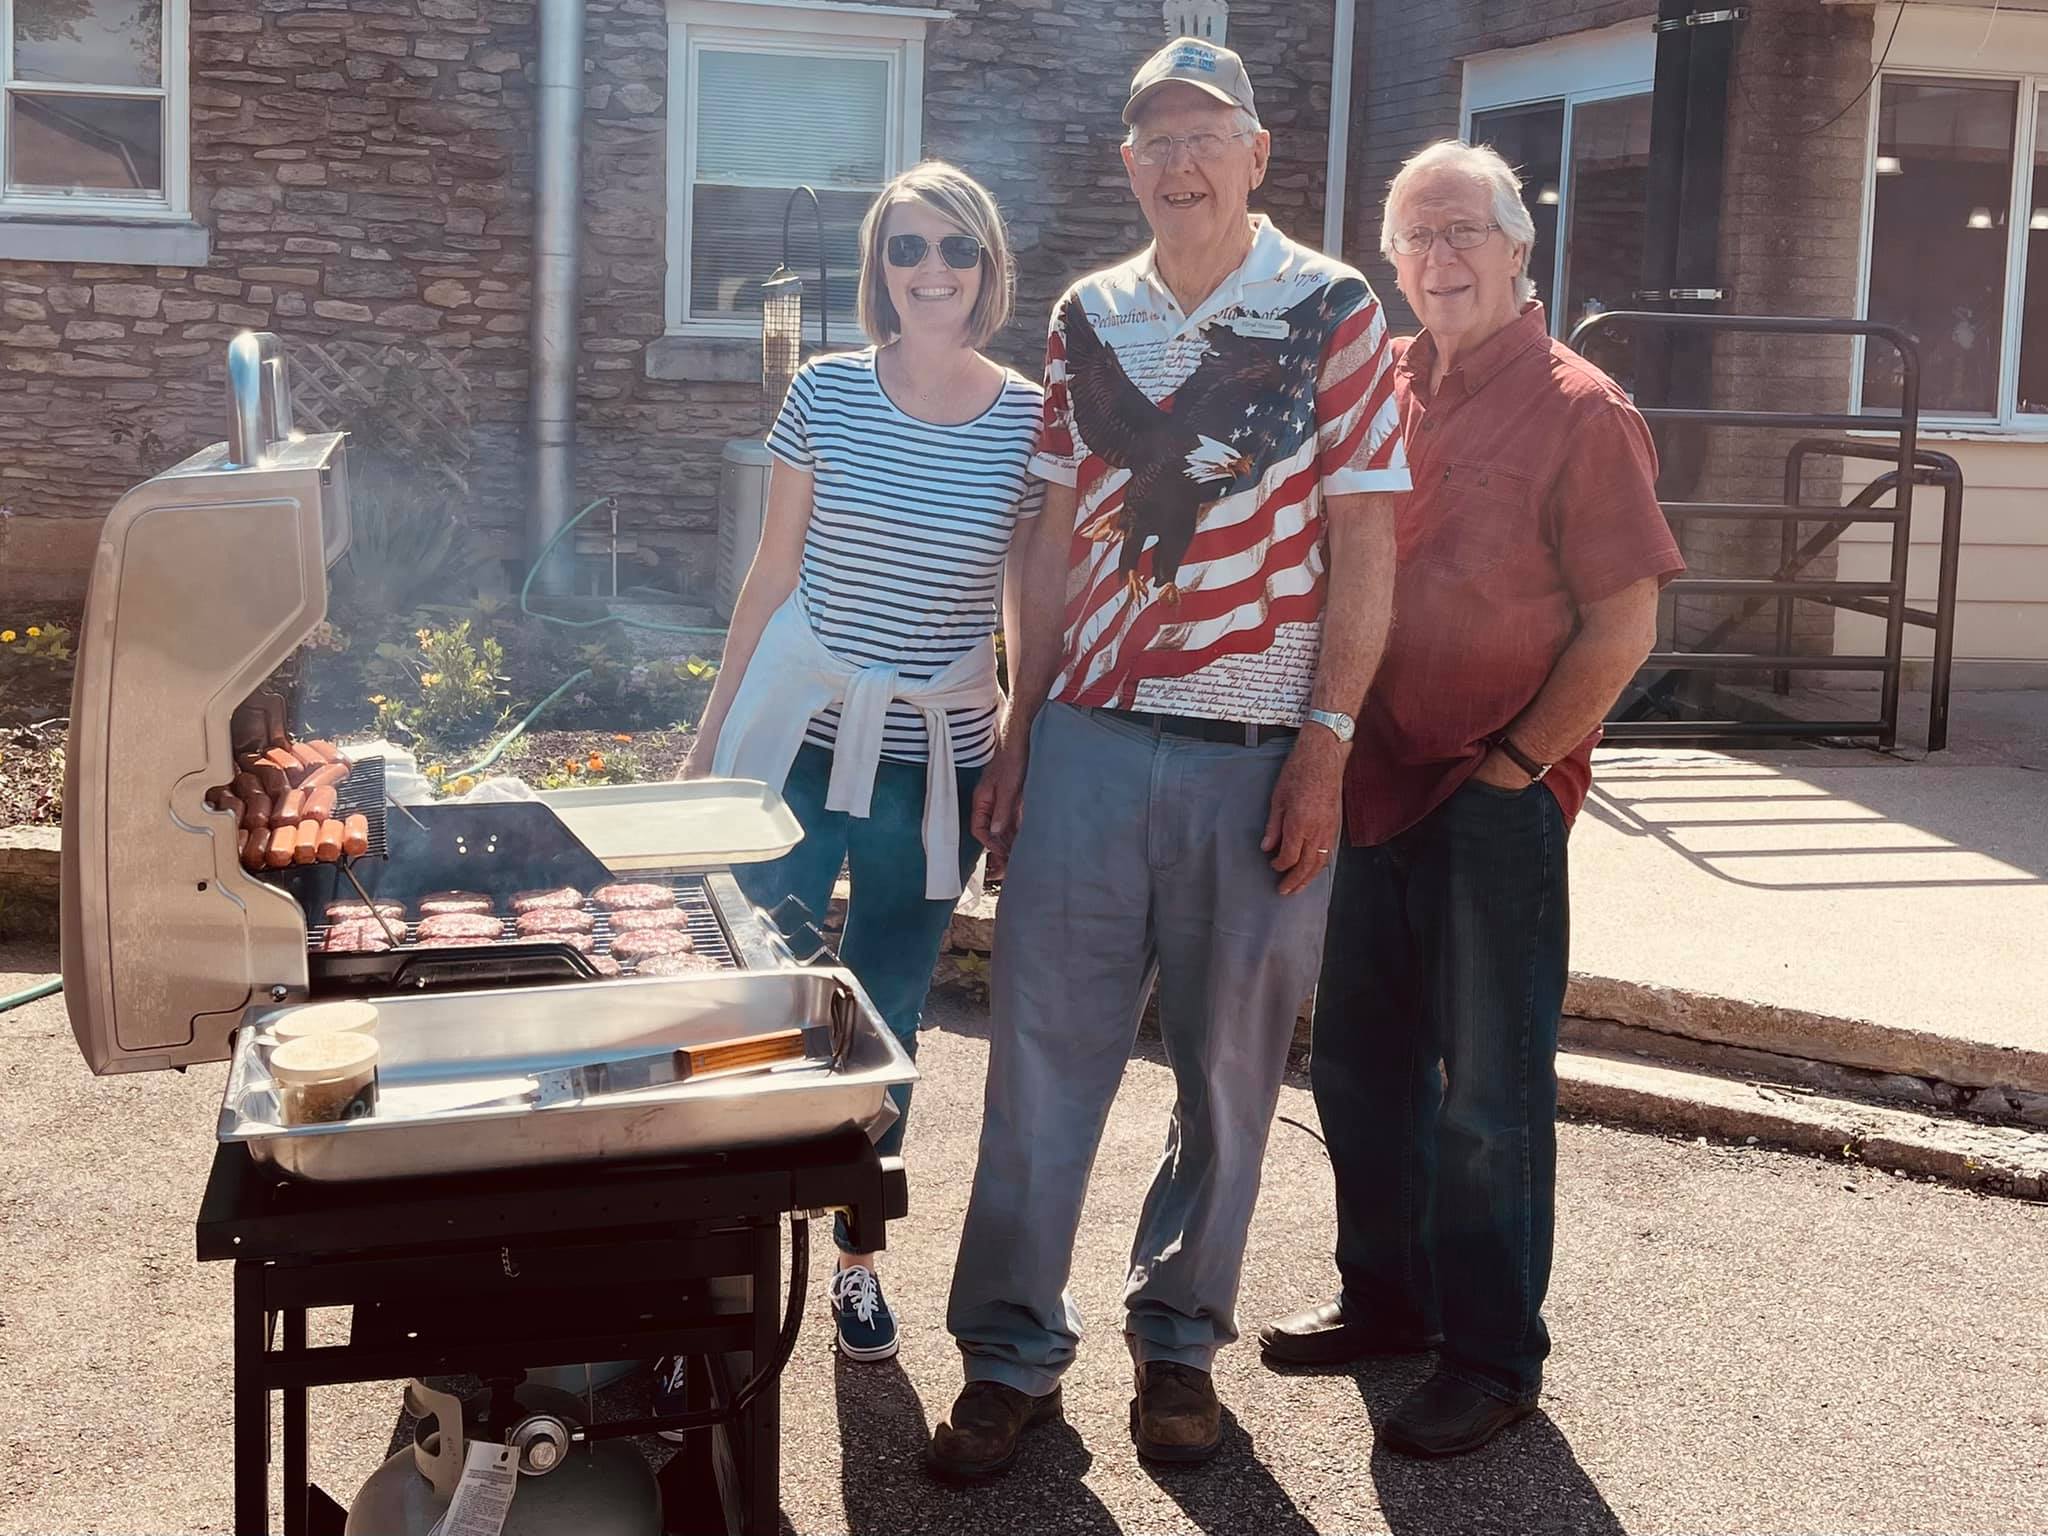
{"x":560,"y":898}
{"x":549,"y":921}
{"x":651,"y":941}
{"x":626,"y":896}
{"x":606,"y":966}
{"x":444,"y":927}
{"x":362,"y":937}
{"x":445,"y":903}
{"x":357,"y":911}
{"x":638,"y":921}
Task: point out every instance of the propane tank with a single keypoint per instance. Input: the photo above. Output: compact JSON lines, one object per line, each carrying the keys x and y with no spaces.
{"x":600,"y":1489}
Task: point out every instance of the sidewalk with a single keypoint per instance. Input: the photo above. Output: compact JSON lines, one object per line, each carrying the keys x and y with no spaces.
{"x":1885,"y":911}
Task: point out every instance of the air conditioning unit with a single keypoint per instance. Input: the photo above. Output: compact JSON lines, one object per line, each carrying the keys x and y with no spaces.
{"x":742,"y":506}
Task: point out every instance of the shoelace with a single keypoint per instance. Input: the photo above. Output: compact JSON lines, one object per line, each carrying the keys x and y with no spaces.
{"x":856,"y":1288}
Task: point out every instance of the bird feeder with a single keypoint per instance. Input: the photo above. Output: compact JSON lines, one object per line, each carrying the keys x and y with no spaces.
{"x":782,"y":308}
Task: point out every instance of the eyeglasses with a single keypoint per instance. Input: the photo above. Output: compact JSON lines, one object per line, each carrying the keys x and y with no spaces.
{"x":1157,"y":149}
{"x":1459,"y":237}
{"x":958,"y":251}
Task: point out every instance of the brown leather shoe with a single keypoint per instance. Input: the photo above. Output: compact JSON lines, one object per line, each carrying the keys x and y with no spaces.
{"x":1325,"y":1334}
{"x":979,"y":1438}
{"x":1175,"y":1416}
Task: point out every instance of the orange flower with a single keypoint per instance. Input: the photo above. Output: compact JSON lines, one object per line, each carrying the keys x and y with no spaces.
{"x":620,"y":736}
{"x":596,"y":763}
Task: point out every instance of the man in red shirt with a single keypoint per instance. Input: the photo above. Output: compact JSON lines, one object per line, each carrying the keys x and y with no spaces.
{"x":1530,"y":556}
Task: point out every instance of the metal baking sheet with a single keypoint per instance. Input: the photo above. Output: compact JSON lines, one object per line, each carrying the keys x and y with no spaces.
{"x":690,"y":824}
{"x":433,"y":1047}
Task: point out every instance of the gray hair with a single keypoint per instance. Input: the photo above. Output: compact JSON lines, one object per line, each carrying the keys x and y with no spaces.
{"x":1241,"y":122}
{"x":1481,"y":163}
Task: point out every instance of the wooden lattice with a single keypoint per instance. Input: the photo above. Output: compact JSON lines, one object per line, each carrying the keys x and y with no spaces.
{"x":415,"y":401}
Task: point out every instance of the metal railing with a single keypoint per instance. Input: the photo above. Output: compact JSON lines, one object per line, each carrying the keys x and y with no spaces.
{"x":1884,"y":600}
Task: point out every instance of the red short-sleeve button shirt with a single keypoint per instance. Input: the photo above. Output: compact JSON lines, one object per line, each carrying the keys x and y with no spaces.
{"x":1535,"y":495}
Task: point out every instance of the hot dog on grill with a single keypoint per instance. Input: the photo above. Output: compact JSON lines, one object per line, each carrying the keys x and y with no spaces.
{"x":330,"y":773}
{"x":256,"y":845}
{"x":328,"y":848}
{"x":246,"y":784}
{"x":256,"y":811}
{"x":308,"y":758}
{"x":283,"y":847}
{"x":307,"y":847}
{"x":319,"y":803}
{"x":291,"y":810}
{"x":282,"y":759}
{"x":226,"y":800}
{"x":271,"y":779}
{"x":329,"y":752}
{"x":355,"y":836}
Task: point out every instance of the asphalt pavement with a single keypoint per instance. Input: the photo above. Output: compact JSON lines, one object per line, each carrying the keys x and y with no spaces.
{"x":1745,"y":1341}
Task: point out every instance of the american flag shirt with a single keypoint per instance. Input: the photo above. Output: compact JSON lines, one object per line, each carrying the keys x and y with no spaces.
{"x":1202,"y":447}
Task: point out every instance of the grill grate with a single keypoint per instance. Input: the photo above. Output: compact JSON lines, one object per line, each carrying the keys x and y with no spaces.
{"x":693,"y":899}
{"x":362,"y":793}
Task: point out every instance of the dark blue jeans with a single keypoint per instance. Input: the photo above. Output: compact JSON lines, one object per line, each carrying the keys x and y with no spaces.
{"x":1435,"y":1075}
{"x":893,"y":933}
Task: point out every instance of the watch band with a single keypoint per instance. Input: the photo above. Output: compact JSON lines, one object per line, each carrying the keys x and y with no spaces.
{"x":1336,"y":722}
{"x":1521,"y":759}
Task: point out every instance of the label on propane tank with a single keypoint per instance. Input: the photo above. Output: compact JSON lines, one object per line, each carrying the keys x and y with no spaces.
{"x":483,"y":1498}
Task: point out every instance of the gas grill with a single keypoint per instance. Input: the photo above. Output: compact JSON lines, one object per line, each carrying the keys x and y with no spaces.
{"x":208,"y":581}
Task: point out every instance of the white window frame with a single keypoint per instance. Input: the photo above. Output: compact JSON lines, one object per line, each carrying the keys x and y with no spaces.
{"x":1596,"y":65}
{"x":175,"y":203}
{"x":892,"y":33}
{"x":1951,"y":42}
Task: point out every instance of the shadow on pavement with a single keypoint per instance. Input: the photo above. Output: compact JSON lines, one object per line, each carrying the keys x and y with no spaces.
{"x":883,"y":1430}
{"x":1233,"y":1494}
{"x":1526,"y":1483}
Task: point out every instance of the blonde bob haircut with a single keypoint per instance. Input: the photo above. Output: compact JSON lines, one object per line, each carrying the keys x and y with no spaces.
{"x":962,"y":201}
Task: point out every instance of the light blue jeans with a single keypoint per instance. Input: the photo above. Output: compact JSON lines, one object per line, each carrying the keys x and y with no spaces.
{"x":893,"y":931}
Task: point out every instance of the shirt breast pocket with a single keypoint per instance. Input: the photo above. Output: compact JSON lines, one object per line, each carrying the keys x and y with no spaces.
{"x":1484,"y":515}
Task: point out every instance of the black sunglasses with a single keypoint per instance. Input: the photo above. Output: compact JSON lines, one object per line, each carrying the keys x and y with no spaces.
{"x":959,"y":251}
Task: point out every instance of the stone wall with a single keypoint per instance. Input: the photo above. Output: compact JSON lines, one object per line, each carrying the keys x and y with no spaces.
{"x":366,"y":166}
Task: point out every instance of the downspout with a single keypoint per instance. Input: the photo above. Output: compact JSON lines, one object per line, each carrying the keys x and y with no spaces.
{"x":557,"y":197}
{"x":1335,"y":174}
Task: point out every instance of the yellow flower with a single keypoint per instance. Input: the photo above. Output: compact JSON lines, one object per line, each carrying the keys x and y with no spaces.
{"x":462,"y":786}
{"x":377,"y":698}
{"x":33,"y":631}
{"x":423,"y":636}
{"x":429,"y":679}
{"x":435,"y":770}
{"x":6,"y":636}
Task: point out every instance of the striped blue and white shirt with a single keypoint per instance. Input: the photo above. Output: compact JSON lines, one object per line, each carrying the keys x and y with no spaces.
{"x":910,"y":523}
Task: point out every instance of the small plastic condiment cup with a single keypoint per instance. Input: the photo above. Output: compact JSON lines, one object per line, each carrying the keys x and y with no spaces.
{"x":324,"y":1019}
{"x":325,"y":1078}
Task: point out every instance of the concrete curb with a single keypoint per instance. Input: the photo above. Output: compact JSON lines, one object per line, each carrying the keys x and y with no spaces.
{"x":1991,"y":1158}
{"x":30,"y":858}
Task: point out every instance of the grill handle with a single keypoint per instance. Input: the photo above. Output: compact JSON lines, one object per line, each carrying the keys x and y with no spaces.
{"x":806,"y":928}
{"x":259,"y":398}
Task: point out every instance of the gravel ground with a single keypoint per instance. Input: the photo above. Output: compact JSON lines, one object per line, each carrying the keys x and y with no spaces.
{"x":1746,"y":1341}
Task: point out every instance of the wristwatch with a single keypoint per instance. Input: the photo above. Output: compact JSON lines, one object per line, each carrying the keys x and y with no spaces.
{"x":1519,"y":758}
{"x":1337,"y":723}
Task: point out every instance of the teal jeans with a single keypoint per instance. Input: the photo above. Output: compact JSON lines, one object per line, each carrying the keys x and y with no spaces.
{"x":893,"y":931}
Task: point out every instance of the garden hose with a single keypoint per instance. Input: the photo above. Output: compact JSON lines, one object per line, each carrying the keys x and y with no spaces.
{"x":513,"y":735}
{"x":39,"y":990}
{"x":609,"y":618}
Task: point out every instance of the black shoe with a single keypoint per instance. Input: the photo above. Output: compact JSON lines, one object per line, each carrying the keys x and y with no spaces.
{"x":1323,"y":1335}
{"x":979,"y":1438}
{"x":1448,"y":1417}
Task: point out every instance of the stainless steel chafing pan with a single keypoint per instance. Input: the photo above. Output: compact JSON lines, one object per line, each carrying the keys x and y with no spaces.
{"x":434,"y":1046}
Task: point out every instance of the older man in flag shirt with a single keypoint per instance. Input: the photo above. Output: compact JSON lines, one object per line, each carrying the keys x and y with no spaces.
{"x":1202,"y":605}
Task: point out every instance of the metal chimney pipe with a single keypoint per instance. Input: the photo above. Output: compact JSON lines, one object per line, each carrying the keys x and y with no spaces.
{"x":557,"y":232}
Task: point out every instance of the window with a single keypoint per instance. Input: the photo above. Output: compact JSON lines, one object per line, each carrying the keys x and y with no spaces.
{"x":773,"y":98}
{"x":93,"y":120}
{"x":1573,"y":117}
{"x":1958,"y":245}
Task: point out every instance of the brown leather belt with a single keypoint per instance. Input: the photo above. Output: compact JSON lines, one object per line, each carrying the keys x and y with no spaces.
{"x":1235,"y":733}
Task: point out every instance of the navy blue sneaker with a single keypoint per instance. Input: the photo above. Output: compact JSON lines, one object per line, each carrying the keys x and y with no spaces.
{"x":867,"y":1328}
{"x":672,"y":1391}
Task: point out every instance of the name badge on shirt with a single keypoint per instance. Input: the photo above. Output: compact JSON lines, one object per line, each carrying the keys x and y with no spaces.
{"x":1264,"y":327}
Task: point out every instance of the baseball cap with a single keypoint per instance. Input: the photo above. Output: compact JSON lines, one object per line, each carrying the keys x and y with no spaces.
{"x":1191,"y":61}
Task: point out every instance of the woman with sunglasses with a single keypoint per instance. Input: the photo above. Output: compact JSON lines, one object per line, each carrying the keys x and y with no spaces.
{"x":859,"y":673}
